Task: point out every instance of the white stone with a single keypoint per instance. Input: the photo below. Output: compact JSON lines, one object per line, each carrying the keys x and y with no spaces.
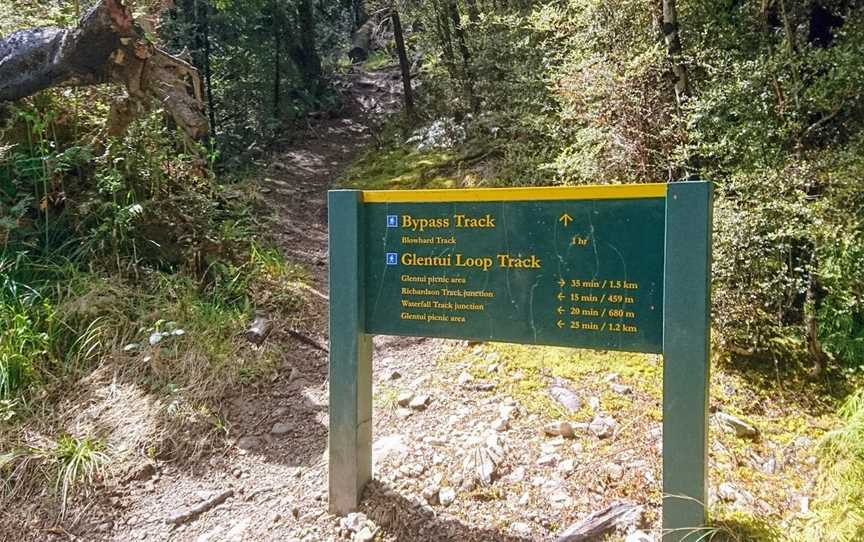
{"x":508,"y":412}
{"x":603,"y":426}
{"x":501,"y":425}
{"x":446,"y":496}
{"x":727,"y":492}
{"x":364,"y":535}
{"x":419,"y":402}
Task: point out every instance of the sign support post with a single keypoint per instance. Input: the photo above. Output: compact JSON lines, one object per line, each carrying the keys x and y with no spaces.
{"x":686,"y":359}
{"x":350,"y":437}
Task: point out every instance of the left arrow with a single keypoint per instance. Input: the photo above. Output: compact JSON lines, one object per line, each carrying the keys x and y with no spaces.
{"x":560,"y":324}
{"x":566,"y":219}
{"x":560,"y":310}
{"x":560,"y":296}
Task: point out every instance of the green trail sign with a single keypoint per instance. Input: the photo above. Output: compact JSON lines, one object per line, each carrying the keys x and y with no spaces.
{"x":619,"y":267}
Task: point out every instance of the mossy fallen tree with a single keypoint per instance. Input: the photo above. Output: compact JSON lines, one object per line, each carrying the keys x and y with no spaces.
{"x":106,"y":46}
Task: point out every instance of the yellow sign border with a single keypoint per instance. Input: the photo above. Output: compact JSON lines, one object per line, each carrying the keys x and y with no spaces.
{"x":543,"y":193}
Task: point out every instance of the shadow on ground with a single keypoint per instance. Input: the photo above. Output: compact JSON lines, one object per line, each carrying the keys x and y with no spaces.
{"x":407,"y":521}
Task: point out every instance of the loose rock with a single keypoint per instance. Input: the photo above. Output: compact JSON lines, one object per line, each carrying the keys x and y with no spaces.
{"x":735,"y":425}
{"x":248,"y":443}
{"x":727,"y":492}
{"x":565,"y":396}
{"x":392,"y":374}
{"x":419,"y":402}
{"x":446,"y":496}
{"x":559,"y":428}
{"x":365,"y":535}
{"x":603,"y":426}
{"x":639,"y":536}
{"x":280,"y":428}
{"x":404,"y":398}
{"x":622,"y":389}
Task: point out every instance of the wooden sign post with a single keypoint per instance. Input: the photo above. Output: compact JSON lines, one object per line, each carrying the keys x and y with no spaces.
{"x":617,"y":267}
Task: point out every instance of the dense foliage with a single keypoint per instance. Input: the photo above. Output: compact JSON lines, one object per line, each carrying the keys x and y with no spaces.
{"x":584,"y":92}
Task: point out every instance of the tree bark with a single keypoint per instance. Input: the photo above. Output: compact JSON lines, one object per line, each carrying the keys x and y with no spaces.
{"x":404,"y":65}
{"x":674,"y":51}
{"x":208,"y":72}
{"x":277,"y":60}
{"x":467,"y":73}
{"x":107,"y":46}
{"x":304,"y":53}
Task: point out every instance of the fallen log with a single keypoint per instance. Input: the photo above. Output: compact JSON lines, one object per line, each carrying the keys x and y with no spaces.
{"x":107,"y":46}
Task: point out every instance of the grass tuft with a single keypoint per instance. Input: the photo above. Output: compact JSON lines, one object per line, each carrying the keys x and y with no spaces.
{"x":78,"y":461}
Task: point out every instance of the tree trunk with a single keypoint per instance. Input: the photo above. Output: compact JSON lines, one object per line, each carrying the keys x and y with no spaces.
{"x":812,"y":304}
{"x":208,"y":73}
{"x":277,"y":60}
{"x":404,"y":65}
{"x":673,"y":50}
{"x":106,"y":47}
{"x":305,"y":55}
{"x":467,"y":74}
{"x":473,"y":12}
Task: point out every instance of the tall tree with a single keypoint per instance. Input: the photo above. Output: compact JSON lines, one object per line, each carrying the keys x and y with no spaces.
{"x":304,"y":52}
{"x":467,"y":72}
{"x":674,"y":51}
{"x":404,"y":66}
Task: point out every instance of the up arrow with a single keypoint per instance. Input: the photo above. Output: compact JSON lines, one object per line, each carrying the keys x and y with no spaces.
{"x":566,"y":219}
{"x":560,"y":324}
